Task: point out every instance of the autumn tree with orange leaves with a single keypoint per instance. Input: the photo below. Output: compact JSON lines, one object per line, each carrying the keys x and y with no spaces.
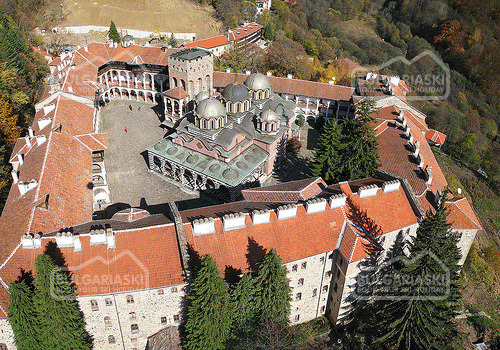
{"x":9,"y":130}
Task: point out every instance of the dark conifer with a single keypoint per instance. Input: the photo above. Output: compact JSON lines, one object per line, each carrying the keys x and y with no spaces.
{"x":273,"y":292}
{"x":243,"y":299}
{"x":328,"y":154}
{"x":209,"y":313}
{"x":113,"y":33}
{"x":60,"y":321}
{"x":22,"y":316}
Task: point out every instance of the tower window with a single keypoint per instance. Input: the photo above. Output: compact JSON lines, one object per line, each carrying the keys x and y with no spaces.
{"x":94,"y":306}
{"x":130,"y":299}
{"x":111,"y":339}
{"x":134,"y":328}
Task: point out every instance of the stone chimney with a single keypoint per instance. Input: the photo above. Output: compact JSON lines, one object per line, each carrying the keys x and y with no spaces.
{"x":287,"y":211}
{"x":420,"y":160}
{"x":15,"y":177}
{"x":315,"y":205}
{"x":337,"y":200}
{"x":110,"y":238}
{"x":416,"y":148}
{"x":28,"y":141}
{"x":407,"y":131}
{"x":428,"y":174}
{"x":86,"y":48}
{"x":20,"y":158}
{"x":30,"y":132}
{"x":403,"y":120}
{"x":390,"y":186}
{"x":203,"y":226}
{"x":97,"y":236}
{"x":261,"y":216}
{"x":77,"y":243}
{"x":233,"y":221}
{"x":368,"y":191}
{"x":29,"y":241}
{"x":64,"y":239}
{"x":410,"y":138}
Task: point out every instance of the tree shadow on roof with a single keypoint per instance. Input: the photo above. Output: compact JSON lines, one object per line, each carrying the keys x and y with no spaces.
{"x":255,"y":254}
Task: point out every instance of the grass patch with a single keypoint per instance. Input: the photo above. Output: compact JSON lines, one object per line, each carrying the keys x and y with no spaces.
{"x":482,"y":324}
{"x":313,"y":328}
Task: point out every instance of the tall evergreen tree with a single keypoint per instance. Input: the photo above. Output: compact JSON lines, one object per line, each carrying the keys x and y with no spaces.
{"x":209,"y":312}
{"x":113,"y":33}
{"x":172,"y":41}
{"x":273,"y":292}
{"x":347,"y":151}
{"x":243,"y":299}
{"x":60,"y":321}
{"x":22,"y":316}
{"x":414,"y":322}
{"x":328,"y":154}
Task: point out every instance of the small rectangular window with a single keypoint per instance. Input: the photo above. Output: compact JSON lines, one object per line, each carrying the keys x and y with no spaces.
{"x":322,"y":259}
{"x":94,"y":305}
{"x":325,"y":288}
{"x":338,"y":273}
{"x":301,"y":281}
{"x":335,"y":287}
{"x":328,"y":273}
{"x":173,"y":290}
{"x":132,"y":315}
{"x":164,"y":319}
{"x":298,"y":296}
{"x":176,"y":318}
{"x":297,"y":317}
{"x":160,"y":291}
{"x":304,"y":265}
{"x":323,"y":309}
{"x":315,"y":292}
{"x":294,"y":267}
{"x":134,"y":328}
{"x":109,"y":302}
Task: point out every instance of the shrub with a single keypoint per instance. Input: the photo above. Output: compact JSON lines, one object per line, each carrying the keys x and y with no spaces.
{"x":293,"y":145}
{"x":492,"y":257}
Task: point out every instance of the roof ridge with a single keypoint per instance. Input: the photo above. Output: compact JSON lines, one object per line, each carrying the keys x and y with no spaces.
{"x":475,"y":223}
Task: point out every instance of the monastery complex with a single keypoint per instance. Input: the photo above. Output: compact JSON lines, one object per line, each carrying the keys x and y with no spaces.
{"x":224,"y":132}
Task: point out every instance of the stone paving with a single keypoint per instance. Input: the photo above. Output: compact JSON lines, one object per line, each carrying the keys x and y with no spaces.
{"x":130,"y":182}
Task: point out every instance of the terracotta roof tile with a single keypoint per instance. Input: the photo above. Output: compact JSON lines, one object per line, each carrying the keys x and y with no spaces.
{"x":177,"y":93}
{"x":292,"y":191}
{"x":94,"y":142}
{"x":462,"y":215}
{"x":435,"y":136}
{"x":291,"y":86}
{"x":209,"y":43}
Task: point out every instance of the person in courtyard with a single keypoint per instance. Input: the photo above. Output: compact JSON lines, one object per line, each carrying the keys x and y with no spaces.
{"x":139,"y":108}
{"x":126,"y":130}
{"x":130,"y":107}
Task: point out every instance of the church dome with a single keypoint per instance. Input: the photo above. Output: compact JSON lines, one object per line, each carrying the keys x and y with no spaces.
{"x":269,"y":116}
{"x":235,"y":92}
{"x":257,"y":81}
{"x":201,"y":96}
{"x":210,"y":108}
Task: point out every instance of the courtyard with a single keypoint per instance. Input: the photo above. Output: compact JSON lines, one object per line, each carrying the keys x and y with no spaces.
{"x":130,"y":132}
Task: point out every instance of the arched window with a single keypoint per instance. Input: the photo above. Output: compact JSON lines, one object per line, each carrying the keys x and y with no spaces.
{"x":212,"y":123}
{"x":130,"y":299}
{"x":174,"y":81}
{"x":267,"y":93}
{"x":111,"y":339}
{"x":229,"y":106}
{"x":134,"y":328}
{"x":301,"y":281}
{"x":221,"y":122}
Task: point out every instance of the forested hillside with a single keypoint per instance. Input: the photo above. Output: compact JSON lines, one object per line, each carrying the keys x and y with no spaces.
{"x":21,"y":73}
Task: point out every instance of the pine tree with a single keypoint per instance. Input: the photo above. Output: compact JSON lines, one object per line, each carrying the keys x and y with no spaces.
{"x":22,"y":316}
{"x":243,"y":300}
{"x":415,"y":322}
{"x":113,"y":33}
{"x":209,"y":312}
{"x":273,"y":292}
{"x":60,"y":321}
{"x":172,"y":41}
{"x":327,"y":155}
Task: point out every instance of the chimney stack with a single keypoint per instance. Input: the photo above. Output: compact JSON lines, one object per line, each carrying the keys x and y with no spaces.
{"x":110,"y":238}
{"x":30,"y":132}
{"x":233,"y":221}
{"x":410,"y":138}
{"x":390,"y":186}
{"x":28,"y":141}
{"x":15,"y":178}
{"x":367,"y":191}
{"x":315,"y":205}
{"x":420,"y":160}
{"x":337,"y":200}
{"x":416,"y":148}
{"x":287,"y":211}
{"x":203,"y":226}
{"x":228,"y":70}
{"x":269,"y":74}
{"x":261,"y":216}
{"x":403,"y":120}
{"x":407,"y":131}
{"x":428,"y":171}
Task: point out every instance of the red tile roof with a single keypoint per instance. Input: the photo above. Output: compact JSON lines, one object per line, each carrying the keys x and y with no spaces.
{"x":396,"y":156}
{"x":291,"y":86}
{"x":241,"y":33}
{"x":177,"y":92}
{"x":292,"y":191}
{"x":209,"y":43}
{"x":94,"y":142}
{"x":462,"y":215}
{"x":435,"y":136}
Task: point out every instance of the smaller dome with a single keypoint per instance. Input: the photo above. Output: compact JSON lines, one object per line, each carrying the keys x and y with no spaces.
{"x":210,"y":108}
{"x":128,"y":38}
{"x":269,"y":116}
{"x":257,"y":81}
{"x":230,"y":174}
{"x":201,"y":96}
{"x":235,"y":92}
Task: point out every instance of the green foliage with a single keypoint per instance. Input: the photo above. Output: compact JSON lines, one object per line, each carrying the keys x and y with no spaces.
{"x":22,"y":316}
{"x":60,"y":321}
{"x":300,"y":121}
{"x":273,"y":292}
{"x":492,"y":257}
{"x":328,"y":154}
{"x":172,"y":41}
{"x":478,"y":268}
{"x":209,"y":312}
{"x":113,"y":33}
{"x":243,"y":303}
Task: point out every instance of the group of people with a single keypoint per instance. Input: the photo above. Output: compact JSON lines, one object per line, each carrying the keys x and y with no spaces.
{"x":130,"y":107}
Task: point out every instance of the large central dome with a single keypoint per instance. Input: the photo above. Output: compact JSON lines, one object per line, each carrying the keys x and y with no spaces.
{"x":257,"y":81}
{"x":210,"y":108}
{"x":235,"y":92}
